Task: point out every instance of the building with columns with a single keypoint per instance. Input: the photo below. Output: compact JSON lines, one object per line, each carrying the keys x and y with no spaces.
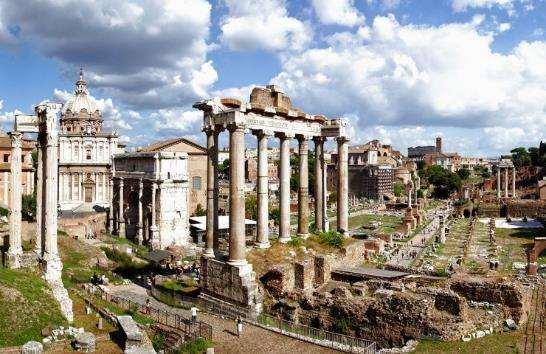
{"x":27,"y":169}
{"x":269,"y":115}
{"x":150,"y":198}
{"x":506,"y":176}
{"x":85,"y":153}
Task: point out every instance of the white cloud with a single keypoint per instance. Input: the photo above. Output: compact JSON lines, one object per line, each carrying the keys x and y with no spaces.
{"x":505,"y":26}
{"x":337,"y":12}
{"x":262,"y":24}
{"x":463,"y":5}
{"x":1,"y":104}
{"x":148,"y":53}
{"x":445,"y":76}
{"x":184,"y":121}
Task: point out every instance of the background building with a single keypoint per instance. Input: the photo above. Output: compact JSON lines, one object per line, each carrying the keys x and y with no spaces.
{"x":27,"y":175}
{"x":196,"y":168}
{"x":85,"y":153}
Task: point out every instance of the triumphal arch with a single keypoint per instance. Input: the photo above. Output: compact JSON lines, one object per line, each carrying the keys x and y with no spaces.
{"x":269,"y":115}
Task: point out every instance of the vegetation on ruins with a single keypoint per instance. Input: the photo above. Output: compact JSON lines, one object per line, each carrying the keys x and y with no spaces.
{"x":398,"y":189}
{"x":26,"y":303}
{"x":482,"y":171}
{"x":532,"y":156}
{"x":199,"y":210}
{"x":275,"y":215}
{"x":4,"y":212}
{"x":28,"y":207}
{"x":332,"y":238}
{"x":251,"y":207}
{"x":444,"y":181}
{"x":464,"y":173}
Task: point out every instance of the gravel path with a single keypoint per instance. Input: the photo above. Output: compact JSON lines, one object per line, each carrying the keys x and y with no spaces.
{"x":254,"y":339}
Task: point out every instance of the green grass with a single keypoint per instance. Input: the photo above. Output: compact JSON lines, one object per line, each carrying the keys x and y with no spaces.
{"x":24,"y":315}
{"x":389,"y":223}
{"x":196,"y":346}
{"x":494,"y":344}
{"x":331,"y":238}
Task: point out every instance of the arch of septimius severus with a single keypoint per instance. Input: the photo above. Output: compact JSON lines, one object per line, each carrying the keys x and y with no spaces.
{"x":269,"y":114}
{"x":44,"y":123}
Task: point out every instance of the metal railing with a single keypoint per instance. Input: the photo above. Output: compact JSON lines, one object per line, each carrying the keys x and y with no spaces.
{"x":326,"y":338}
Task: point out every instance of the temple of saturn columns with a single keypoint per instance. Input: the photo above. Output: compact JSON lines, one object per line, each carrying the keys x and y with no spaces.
{"x":44,"y":123}
{"x":269,"y":114}
{"x":506,"y":165}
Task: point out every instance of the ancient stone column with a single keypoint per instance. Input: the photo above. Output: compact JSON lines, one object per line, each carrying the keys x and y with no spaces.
{"x":15,"y":250}
{"x":303,"y":191}
{"x":343,"y":186}
{"x":262,"y":240}
{"x":506,"y":182}
{"x":513,"y":182}
{"x":153,"y":228}
{"x":111,"y":208}
{"x":39,"y":199}
{"x":319,"y":162}
{"x":121,"y":217}
{"x":498,"y":182}
{"x":284,"y":203}
{"x":216,"y":191}
{"x":211,"y":151}
{"x":237,"y":236}
{"x":140,"y":237}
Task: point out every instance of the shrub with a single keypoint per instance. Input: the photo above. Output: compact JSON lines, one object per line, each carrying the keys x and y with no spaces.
{"x":196,"y":346}
{"x":332,"y":238}
{"x":4,"y":212}
{"x":296,"y":241}
{"x":28,"y":207}
{"x":199,"y":210}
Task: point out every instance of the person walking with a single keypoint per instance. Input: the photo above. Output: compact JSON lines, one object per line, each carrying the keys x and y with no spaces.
{"x":193,"y":314}
{"x":239,"y":323}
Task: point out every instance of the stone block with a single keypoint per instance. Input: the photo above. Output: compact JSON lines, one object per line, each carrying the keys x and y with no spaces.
{"x":32,"y":347}
{"x":85,"y":342}
{"x":304,"y":275}
{"x":323,"y":268}
{"x":130,"y":328}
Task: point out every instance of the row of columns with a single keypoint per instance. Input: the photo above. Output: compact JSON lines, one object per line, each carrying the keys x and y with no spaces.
{"x":499,"y":186}
{"x":237,"y":254}
{"x":71,"y":186}
{"x":120,"y":225}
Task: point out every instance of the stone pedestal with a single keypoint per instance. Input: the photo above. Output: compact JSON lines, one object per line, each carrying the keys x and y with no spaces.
{"x":53,"y":269}
{"x":234,"y":285}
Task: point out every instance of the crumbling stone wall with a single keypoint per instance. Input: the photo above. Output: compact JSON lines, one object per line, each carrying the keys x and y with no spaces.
{"x":304,"y":274}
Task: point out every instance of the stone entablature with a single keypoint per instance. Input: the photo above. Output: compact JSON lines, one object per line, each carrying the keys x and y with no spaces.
{"x":81,"y":149}
{"x":269,"y":114}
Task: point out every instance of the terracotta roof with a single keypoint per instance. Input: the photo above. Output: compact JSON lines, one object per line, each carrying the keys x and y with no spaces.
{"x":160,"y":145}
{"x":5,"y":142}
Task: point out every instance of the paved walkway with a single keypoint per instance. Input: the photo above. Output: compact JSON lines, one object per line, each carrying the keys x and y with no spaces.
{"x":254,"y":339}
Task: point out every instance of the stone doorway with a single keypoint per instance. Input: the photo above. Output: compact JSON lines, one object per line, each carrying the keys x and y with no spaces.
{"x":88,"y":189}
{"x":88,"y":194}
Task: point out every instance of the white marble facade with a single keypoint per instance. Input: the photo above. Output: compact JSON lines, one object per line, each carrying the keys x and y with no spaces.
{"x":85,"y":153}
{"x":153,"y":187}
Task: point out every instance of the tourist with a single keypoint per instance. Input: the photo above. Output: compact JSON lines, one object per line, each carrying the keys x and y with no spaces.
{"x":193,"y":314}
{"x":239,"y":323}
{"x":147,"y":307}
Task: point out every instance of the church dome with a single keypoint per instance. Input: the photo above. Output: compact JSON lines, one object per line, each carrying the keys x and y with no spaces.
{"x":81,"y":99}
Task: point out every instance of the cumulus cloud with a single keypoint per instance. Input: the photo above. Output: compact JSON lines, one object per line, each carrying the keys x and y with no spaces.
{"x":439,"y":76}
{"x":149,"y":53}
{"x":262,"y":24}
{"x":463,"y":5}
{"x":386,"y":4}
{"x":337,"y":12}
{"x":505,"y":26}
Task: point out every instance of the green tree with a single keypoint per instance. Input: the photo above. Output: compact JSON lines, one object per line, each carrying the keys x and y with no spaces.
{"x":199,"y":210}
{"x":464,"y":173}
{"x":521,"y":157}
{"x":223,"y":168}
{"x":398,"y":189}
{"x":28,"y":207}
{"x":275,"y":215}
{"x":251,"y":207}
{"x":444,"y":181}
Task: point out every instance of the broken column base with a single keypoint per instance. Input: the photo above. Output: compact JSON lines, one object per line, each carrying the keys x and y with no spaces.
{"x":232,"y":288}
{"x":53,"y":270}
{"x":14,"y":258}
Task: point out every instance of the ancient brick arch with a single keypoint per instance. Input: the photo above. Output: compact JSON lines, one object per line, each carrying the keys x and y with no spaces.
{"x":534,"y":253}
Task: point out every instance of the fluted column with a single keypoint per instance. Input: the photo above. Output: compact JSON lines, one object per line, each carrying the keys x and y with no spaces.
{"x":121,"y":217}
{"x":211,"y":151}
{"x":343,"y":186}
{"x":498,"y":182}
{"x":38,"y":247}
{"x":262,"y":240}
{"x":513,"y":182}
{"x":15,"y":250}
{"x":284,"y":227}
{"x":153,"y":228}
{"x":237,"y":237}
{"x":506,"y":182}
{"x":140,"y":237}
{"x":303,"y":190}
{"x":111,"y":208}
{"x":319,"y":162}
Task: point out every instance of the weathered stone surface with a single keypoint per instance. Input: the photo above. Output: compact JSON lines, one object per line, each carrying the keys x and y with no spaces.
{"x":304,"y":274}
{"x":85,"y":342}
{"x":277,"y":281}
{"x":130,"y":328}
{"x":32,"y":347}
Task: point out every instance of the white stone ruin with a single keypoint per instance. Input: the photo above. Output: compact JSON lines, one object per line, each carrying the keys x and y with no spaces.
{"x":44,"y":123}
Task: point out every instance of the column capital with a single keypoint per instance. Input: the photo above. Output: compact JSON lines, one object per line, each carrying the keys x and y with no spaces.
{"x":140,"y":184}
{"x":236,"y":127}
{"x":342,"y":139}
{"x":154,"y":185}
{"x":263,"y":133}
{"x":120,"y":181}
{"x":283,"y":136}
{"x":319,"y":139}
{"x":16,"y":139}
{"x":302,"y":137}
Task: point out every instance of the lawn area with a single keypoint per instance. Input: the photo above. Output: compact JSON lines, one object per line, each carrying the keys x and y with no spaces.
{"x":494,"y":344}
{"x":27,"y":305}
{"x":389,"y":223}
{"x":514,"y":242}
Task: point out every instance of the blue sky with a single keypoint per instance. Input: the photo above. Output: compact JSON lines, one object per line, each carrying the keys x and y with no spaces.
{"x":403,"y":71}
